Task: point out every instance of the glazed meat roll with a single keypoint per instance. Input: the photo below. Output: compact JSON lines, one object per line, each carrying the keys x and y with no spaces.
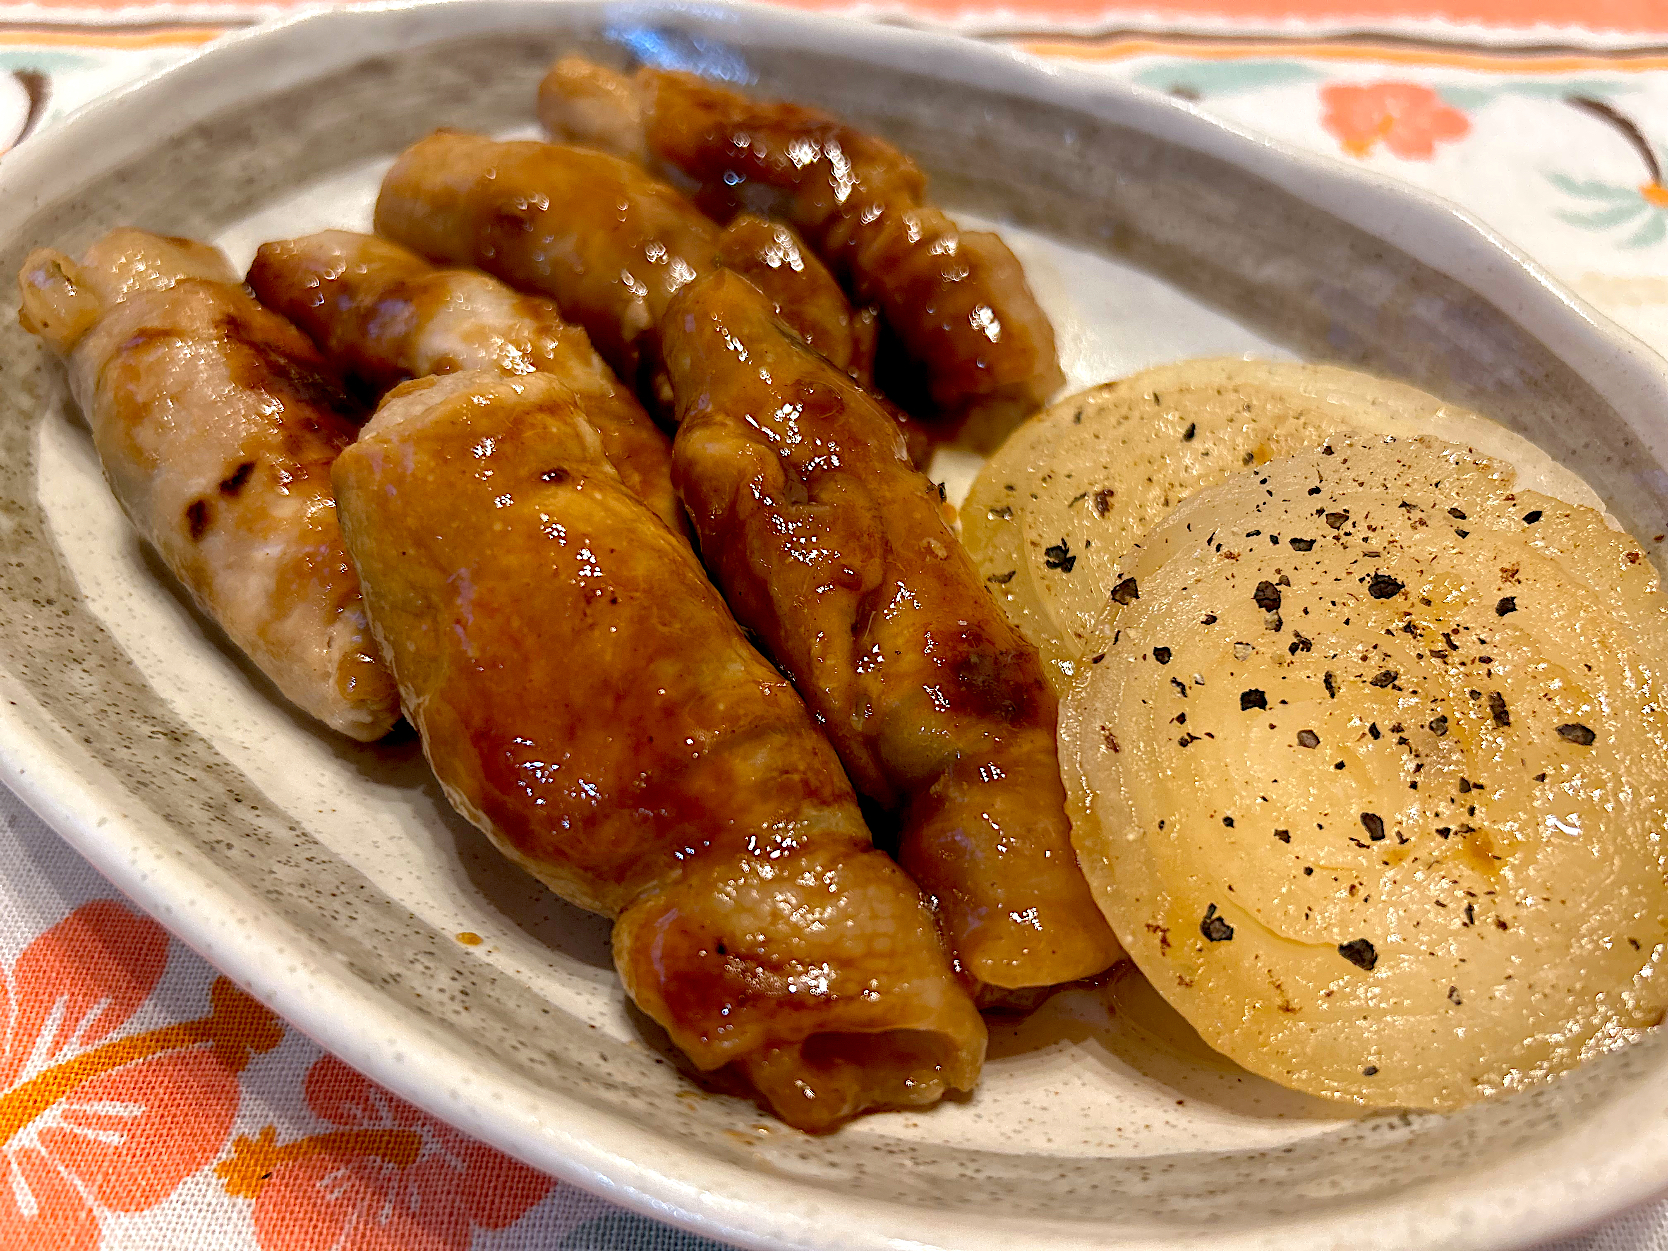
{"x":217,"y":422}
{"x":957,"y":300}
{"x":595,"y":233}
{"x":586,"y":699}
{"x":387,"y":315}
{"x":832,"y":548}
{"x":775,"y":260}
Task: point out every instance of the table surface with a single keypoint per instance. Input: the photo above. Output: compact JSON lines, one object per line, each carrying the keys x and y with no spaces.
{"x":1546,"y":118}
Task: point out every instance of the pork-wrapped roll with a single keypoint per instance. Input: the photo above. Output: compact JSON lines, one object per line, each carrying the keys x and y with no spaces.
{"x":586,"y":699}
{"x":776,"y":261}
{"x":957,"y":299}
{"x":831,"y":546}
{"x":217,"y":422}
{"x":595,"y":233}
{"x":386,"y":315}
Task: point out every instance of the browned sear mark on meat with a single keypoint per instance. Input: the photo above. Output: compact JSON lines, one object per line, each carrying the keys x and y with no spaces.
{"x":233,"y":483}
{"x":197,"y":518}
{"x":290,"y":381}
{"x":995,"y":682}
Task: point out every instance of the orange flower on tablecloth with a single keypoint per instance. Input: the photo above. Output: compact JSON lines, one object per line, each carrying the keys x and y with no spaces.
{"x":387,"y":1177}
{"x":92,"y":1122}
{"x":1409,"y":119}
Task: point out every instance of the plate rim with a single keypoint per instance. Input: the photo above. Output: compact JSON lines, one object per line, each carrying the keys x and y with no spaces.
{"x":626,"y":1164}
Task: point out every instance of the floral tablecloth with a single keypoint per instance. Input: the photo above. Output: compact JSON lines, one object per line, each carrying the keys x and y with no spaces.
{"x":150,"y":1104}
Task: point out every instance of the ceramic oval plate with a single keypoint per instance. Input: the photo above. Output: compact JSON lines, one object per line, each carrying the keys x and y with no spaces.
{"x":333,"y":881}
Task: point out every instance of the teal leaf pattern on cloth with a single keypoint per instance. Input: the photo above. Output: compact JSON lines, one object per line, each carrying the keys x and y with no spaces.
{"x":1605,"y":217}
{"x":1651,"y":232}
{"x":1591,"y":190}
{"x":1469,"y":98}
{"x":47,"y":60}
{"x":1203,"y":79}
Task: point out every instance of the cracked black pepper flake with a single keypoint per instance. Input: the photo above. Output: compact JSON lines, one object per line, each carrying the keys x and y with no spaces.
{"x":1331,"y":684}
{"x":1576,"y":733}
{"x":1097,"y":658}
{"x":1308,"y":738}
{"x":1465,"y":786}
{"x":1103,"y":501}
{"x":1208,"y":619}
{"x":1001,"y":514}
{"x":1458,"y":514}
{"x":1314,"y":490}
{"x":1059,"y":557}
{"x":1374,"y":825}
{"x":1531,"y":518}
{"x":1360,"y":953}
{"x":1308,"y":871}
{"x":1285,"y":836}
{"x":1267,"y":596}
{"x":1192,"y":429}
{"x":1444,"y":830}
{"x":1335,"y":520}
{"x":1214,"y":927}
{"x":1508,"y":603}
{"x":1454,"y":996}
{"x":1125,"y":591}
{"x":1439,"y":726}
{"x":1373,"y":732}
{"x":1370,"y":1071}
{"x":1383,"y":586}
{"x":1384,"y":677}
{"x":1301,"y":644}
{"x":1497,"y":708}
{"x":1464,"y":534}
{"x":1228,"y":821}
{"x":1301,"y":545}
{"x":1162,"y":655}
{"x":1186,"y":740}
{"x":1252,"y":698}
{"x":1181,"y":687}
{"x":1002,"y":579}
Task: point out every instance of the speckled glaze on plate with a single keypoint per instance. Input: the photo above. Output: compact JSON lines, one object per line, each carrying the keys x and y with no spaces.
{"x":331,"y":879}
